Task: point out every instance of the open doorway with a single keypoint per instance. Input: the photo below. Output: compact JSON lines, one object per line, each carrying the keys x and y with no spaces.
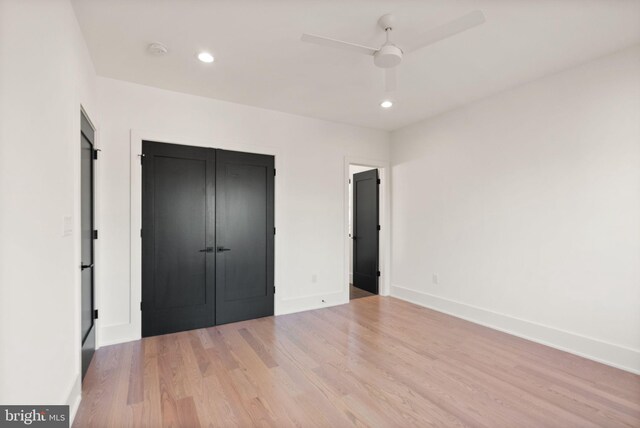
{"x":364,"y":231}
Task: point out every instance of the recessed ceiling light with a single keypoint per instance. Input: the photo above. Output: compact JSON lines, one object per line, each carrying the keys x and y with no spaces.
{"x":205,"y":57}
{"x":386,"y":104}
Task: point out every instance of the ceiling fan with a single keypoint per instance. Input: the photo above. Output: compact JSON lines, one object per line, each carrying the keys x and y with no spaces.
{"x":388,"y":56}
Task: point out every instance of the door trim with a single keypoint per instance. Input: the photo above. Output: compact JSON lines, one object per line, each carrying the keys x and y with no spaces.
{"x":131,"y":328}
{"x":384,"y":255}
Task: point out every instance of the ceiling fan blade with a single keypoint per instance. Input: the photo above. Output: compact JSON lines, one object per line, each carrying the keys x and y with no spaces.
{"x":391,"y":79}
{"x":325,"y":41}
{"x":465,"y":22}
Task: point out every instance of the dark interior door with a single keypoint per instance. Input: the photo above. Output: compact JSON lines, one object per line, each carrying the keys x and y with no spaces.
{"x":245,"y":229}
{"x":87,"y":327}
{"x":178,"y":231}
{"x":365,"y":230}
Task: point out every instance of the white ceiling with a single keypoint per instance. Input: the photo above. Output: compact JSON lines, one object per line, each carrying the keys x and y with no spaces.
{"x":261,"y":61}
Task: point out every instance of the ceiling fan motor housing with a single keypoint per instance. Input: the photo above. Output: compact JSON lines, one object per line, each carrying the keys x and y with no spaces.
{"x":388,"y":56}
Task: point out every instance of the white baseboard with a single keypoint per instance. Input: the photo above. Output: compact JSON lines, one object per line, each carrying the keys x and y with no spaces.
{"x":307,"y":303}
{"x":587,"y":347}
{"x":74,"y":397}
{"x":121,"y":333}
{"x":118,"y":333}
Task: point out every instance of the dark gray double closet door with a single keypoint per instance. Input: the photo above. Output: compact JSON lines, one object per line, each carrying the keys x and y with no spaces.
{"x":207,"y":237}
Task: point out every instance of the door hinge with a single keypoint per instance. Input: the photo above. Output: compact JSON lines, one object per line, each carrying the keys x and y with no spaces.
{"x":141,"y":157}
{"x":378,"y":273}
{"x":95,"y":314}
{"x":274,"y":289}
{"x":274,"y":172}
{"x":95,"y":153}
{"x":141,"y":233}
{"x":349,"y":181}
{"x":379,"y":228}
{"x":378,"y":181}
{"x":274,"y":230}
{"x":95,"y":234}
{"x":140,"y":305}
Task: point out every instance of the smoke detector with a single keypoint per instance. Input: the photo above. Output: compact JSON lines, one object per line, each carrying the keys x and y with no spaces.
{"x":157,"y":49}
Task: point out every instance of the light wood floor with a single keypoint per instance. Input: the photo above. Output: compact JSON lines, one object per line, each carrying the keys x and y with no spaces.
{"x":358,"y":293}
{"x":377,"y":361}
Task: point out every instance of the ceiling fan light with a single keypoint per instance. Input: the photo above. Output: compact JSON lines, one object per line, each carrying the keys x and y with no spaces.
{"x":386,"y":104}
{"x":205,"y":57}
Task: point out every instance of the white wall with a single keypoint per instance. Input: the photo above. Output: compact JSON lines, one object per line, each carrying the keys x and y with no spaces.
{"x":45,"y":75}
{"x":310,"y":191}
{"x":527,"y":207}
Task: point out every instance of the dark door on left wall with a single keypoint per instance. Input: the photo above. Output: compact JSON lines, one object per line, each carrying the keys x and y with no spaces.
{"x":87,"y":236}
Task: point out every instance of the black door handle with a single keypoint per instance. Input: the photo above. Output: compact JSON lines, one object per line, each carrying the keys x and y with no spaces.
{"x":221,"y":249}
{"x":207,"y":250}
{"x":83,"y":267}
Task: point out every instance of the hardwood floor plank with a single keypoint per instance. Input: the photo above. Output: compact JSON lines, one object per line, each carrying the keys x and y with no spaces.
{"x":200,"y":354}
{"x":258,"y":348}
{"x":220,"y":349}
{"x":152,"y":405}
{"x":136,"y":375}
{"x":377,"y":361}
{"x":168,"y":406}
{"x":187,"y":414}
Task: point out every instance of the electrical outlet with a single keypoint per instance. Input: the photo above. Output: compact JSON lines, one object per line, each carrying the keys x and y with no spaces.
{"x":435,"y":278}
